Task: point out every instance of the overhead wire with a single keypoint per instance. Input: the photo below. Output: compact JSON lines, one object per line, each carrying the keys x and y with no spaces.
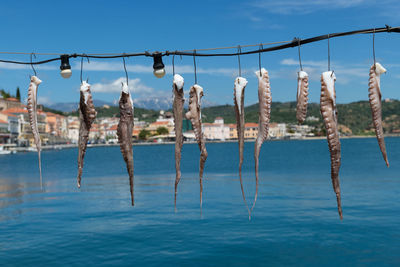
{"x":194,"y":52}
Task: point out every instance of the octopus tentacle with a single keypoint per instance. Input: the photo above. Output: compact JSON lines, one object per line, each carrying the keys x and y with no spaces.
{"x":124,"y":133}
{"x":329,"y":114}
{"x":32,"y":112}
{"x":238,"y":93}
{"x":265,"y":101}
{"x":178,"y":117}
{"x":194,"y":115}
{"x":375,"y":100}
{"x":87,"y":115}
{"x":302,"y":96}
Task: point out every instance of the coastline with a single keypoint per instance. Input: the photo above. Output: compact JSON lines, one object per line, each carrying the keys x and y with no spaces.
{"x":67,"y":146}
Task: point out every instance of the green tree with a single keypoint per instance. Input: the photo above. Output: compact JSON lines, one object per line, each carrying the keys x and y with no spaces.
{"x":162,"y":130}
{"x":4,"y":94}
{"x":143,"y":134}
{"x":18,"y":94}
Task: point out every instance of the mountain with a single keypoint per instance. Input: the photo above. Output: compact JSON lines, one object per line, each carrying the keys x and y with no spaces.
{"x":72,"y":106}
{"x":154,"y":103}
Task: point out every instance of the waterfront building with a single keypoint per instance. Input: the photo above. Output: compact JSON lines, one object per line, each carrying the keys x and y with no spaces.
{"x":250,"y":131}
{"x":56,"y":125}
{"x":161,"y":123}
{"x":217,"y":130}
{"x":25,"y":136}
{"x":277,"y":130}
{"x":11,"y":102}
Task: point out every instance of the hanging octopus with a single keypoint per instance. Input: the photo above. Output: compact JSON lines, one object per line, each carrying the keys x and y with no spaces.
{"x":238,"y":93}
{"x":87,"y":114}
{"x":124,"y":132}
{"x":264,"y":102}
{"x":33,"y":122}
{"x":178,"y":120}
{"x":194,"y":115}
{"x":375,"y":100}
{"x":329,"y":114}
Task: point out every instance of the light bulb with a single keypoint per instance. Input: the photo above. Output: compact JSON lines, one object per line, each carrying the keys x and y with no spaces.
{"x":66,"y":73}
{"x":65,"y":67}
{"x":158,"y":65}
{"x":159,"y":73}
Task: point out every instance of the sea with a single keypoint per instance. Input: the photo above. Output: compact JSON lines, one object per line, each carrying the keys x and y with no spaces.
{"x":294,"y":222}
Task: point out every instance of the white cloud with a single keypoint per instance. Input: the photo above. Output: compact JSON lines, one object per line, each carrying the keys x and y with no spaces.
{"x":344,"y":73}
{"x":136,"y":86}
{"x":44,"y":100}
{"x":11,"y":66}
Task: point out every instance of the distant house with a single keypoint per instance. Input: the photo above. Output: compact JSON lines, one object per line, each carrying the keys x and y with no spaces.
{"x":11,"y":102}
{"x":25,"y":135}
{"x":112,"y":131}
{"x":155,"y":125}
{"x":217,"y":130}
{"x":250,"y":131}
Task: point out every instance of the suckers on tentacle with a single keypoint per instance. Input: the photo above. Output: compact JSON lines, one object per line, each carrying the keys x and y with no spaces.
{"x":194,"y":115}
{"x":329,"y":114}
{"x":375,"y":101}
{"x":32,"y":112}
{"x":302,"y":96}
{"x":264,"y":102}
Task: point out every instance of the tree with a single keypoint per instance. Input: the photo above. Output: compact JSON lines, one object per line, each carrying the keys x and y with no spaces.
{"x":162,"y":130}
{"x":18,"y":94}
{"x":4,"y":94}
{"x":143,"y":134}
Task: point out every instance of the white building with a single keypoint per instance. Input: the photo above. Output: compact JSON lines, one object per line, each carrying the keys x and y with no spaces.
{"x":277,"y":130}
{"x":217,"y":130}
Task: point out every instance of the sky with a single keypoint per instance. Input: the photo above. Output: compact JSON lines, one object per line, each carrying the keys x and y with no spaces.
{"x":137,"y":26}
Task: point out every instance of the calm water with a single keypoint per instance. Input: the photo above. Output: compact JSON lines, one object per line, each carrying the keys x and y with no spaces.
{"x":295,"y":221}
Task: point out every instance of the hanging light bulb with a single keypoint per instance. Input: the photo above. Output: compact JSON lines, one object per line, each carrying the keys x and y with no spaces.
{"x":158,"y":66}
{"x":65,"y":67}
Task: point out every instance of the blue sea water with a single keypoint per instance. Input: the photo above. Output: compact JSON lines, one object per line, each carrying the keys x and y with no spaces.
{"x":295,"y":220}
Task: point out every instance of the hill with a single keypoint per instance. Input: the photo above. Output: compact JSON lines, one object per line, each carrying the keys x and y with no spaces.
{"x":356,"y":116}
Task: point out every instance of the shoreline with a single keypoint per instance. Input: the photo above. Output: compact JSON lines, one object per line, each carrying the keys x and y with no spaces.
{"x":67,"y":146}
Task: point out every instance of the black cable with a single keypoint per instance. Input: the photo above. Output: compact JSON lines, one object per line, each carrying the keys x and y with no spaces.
{"x":240,"y":68}
{"x":294,"y":43}
{"x":259,"y":59}
{"x":301,"y":66}
{"x":195,"y":68}
{"x":126,"y":73}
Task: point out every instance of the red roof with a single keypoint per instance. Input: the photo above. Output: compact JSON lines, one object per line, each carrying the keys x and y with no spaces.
{"x":160,"y":123}
{"x":251,"y":124}
{"x":1,"y":121}
{"x":113,"y":128}
{"x":16,"y":110}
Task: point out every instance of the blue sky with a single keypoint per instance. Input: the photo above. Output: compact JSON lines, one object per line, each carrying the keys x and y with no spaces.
{"x":136,"y":26}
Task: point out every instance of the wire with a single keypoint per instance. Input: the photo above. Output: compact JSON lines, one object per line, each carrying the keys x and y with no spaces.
{"x":329,"y":56}
{"x":195,"y":68}
{"x":34,"y":71}
{"x":240,"y":68}
{"x":373,"y":47}
{"x":259,"y":59}
{"x":126,"y":73}
{"x":280,"y":46}
{"x":301,"y":66}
